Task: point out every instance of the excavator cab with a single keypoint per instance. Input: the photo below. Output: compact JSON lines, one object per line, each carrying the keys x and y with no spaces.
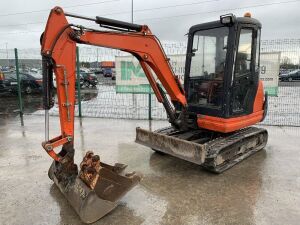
{"x":222,"y":73}
{"x":224,"y":97}
{"x":222,"y":67}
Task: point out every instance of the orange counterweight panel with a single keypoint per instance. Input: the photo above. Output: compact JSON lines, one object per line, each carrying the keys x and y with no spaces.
{"x":232,"y":124}
{"x":229,"y":125}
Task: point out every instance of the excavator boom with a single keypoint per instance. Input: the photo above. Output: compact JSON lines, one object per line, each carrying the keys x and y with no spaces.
{"x":96,"y":189}
{"x":58,"y":52}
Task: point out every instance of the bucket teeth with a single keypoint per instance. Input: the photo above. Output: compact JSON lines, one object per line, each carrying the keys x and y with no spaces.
{"x":89,"y":169}
{"x":119,"y":168}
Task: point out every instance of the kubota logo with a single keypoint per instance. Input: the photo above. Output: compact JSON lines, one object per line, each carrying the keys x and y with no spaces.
{"x":129,"y":70}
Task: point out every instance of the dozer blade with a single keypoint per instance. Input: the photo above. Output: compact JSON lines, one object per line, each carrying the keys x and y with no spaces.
{"x":180,"y":148}
{"x":97,"y":189}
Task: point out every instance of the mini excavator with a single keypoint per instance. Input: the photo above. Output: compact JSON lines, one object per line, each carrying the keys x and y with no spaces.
{"x":211,"y":115}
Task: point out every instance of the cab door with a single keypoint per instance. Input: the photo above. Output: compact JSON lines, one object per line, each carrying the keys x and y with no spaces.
{"x":246,"y":72}
{"x":206,"y":70}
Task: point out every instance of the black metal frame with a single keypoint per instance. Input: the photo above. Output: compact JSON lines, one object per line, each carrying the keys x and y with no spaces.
{"x":254,"y":76}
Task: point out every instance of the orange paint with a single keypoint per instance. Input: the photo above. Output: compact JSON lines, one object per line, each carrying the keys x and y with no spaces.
{"x":144,"y":45}
{"x":260,"y":97}
{"x":232,"y":124}
{"x":107,"y":64}
{"x":228,"y":125}
{"x":59,"y":43}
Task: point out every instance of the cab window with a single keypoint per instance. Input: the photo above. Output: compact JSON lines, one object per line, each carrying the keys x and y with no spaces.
{"x":243,"y":74}
{"x":244,"y":54}
{"x":207,"y":67}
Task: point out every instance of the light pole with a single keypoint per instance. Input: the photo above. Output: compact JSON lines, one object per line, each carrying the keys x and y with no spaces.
{"x":133,"y":96}
{"x":97,"y":58}
{"x":131,"y":11}
{"x":6,"y":44}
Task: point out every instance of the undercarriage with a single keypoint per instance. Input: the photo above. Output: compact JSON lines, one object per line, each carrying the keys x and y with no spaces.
{"x":216,"y":152}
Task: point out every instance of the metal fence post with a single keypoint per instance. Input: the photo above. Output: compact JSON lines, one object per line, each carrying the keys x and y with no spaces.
{"x":18,"y":82}
{"x":149,"y":107}
{"x":78,"y":81}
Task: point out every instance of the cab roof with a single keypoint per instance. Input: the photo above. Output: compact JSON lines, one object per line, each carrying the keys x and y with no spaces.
{"x":214,"y":24}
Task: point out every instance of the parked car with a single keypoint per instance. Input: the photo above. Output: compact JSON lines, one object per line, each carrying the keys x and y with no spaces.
{"x":29,"y":84}
{"x":113,"y":74}
{"x":76,"y":85}
{"x":3,"y":88}
{"x":107,"y":72}
{"x":89,"y":79}
{"x":291,"y":76}
{"x":84,"y":70}
{"x":7,"y":69}
{"x":81,"y":80}
{"x":98,"y":71}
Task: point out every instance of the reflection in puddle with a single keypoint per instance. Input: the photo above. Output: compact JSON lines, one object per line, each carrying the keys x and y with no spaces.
{"x":146,"y":205}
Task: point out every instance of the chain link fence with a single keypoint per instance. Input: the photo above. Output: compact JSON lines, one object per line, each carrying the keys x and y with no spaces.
{"x":103,"y":101}
{"x":285,"y":108}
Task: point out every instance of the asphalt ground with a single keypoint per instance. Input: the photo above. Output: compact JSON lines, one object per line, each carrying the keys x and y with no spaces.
{"x":263,"y":189}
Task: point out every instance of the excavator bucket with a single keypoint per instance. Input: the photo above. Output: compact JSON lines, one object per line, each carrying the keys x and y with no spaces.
{"x":97,"y":189}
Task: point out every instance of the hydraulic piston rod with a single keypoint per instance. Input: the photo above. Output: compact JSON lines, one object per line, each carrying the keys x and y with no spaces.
{"x":109,"y":22}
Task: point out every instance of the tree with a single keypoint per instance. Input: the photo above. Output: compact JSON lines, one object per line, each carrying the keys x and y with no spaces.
{"x":286,"y":63}
{"x":85,"y":64}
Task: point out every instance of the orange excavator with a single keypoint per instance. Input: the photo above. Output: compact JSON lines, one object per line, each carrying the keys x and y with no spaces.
{"x":210,"y":116}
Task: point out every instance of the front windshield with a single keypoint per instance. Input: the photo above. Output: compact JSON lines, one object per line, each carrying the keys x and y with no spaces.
{"x":207,"y":67}
{"x":209,"y":53}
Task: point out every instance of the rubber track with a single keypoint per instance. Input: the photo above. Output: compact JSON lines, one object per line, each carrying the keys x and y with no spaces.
{"x":231,"y":144}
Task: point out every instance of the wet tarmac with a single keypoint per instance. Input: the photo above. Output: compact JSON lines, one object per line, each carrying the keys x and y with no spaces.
{"x":264,"y":189}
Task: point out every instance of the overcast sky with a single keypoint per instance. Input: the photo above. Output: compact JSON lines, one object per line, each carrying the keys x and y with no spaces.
{"x":168,"y":19}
